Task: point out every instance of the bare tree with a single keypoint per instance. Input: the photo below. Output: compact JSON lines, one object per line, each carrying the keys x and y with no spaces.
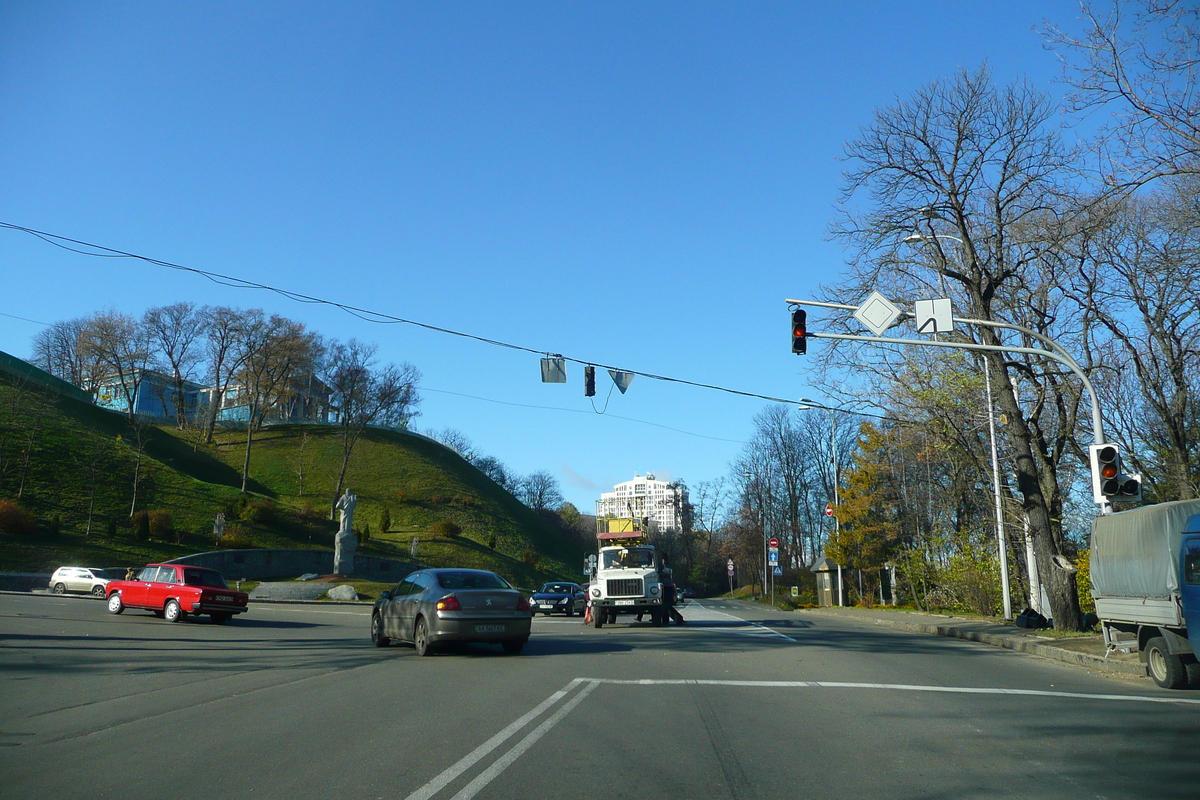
{"x":275,"y":352}
{"x":1142,"y":59}
{"x":224,"y":329}
{"x":967,"y":162}
{"x":93,"y":460}
{"x":119,"y":347}
{"x":457,"y":441}
{"x":141,"y":437}
{"x":58,"y":350}
{"x":175,"y":333}
{"x":540,"y":490}
{"x":363,"y":394}
{"x":494,"y":468}
{"x":1136,"y":278}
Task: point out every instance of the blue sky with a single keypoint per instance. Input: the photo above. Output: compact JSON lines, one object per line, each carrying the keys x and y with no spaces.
{"x":633,"y":184}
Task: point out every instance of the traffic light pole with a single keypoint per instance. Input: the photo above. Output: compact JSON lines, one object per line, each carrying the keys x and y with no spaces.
{"x":1056,"y":352}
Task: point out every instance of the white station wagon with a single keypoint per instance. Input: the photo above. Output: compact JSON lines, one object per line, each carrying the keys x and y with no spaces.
{"x":83,"y":579}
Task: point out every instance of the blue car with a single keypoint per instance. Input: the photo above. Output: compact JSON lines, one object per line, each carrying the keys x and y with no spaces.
{"x":558,"y":598}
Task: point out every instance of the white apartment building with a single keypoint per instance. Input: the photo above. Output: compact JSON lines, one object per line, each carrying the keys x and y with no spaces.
{"x":643,"y":497}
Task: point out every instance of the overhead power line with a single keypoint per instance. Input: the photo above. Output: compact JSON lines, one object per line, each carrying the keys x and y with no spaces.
{"x":367,"y":315}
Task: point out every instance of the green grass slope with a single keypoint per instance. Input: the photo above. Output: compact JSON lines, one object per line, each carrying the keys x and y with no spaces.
{"x":62,"y":456}
{"x":420,"y":483}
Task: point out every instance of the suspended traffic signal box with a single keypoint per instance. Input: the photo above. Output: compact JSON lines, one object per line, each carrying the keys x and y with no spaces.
{"x":589,"y":381}
{"x":799,"y":331}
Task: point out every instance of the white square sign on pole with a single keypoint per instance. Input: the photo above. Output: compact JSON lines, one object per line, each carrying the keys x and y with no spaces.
{"x":877,"y":313}
{"x":934,"y":316}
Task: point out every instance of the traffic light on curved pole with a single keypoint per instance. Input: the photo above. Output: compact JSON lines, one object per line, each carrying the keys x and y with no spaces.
{"x":799,"y":331}
{"x":1110,"y":484}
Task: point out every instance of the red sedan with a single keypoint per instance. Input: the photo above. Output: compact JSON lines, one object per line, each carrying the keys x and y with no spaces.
{"x":173,"y":591}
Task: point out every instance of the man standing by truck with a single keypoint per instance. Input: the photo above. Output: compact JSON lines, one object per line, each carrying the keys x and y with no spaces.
{"x":669,"y":611}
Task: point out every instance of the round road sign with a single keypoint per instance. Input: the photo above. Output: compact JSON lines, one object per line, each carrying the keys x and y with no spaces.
{"x":773,"y":542}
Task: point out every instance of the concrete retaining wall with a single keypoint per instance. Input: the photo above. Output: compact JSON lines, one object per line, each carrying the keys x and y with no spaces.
{"x":23,"y":581}
{"x":255,"y":565}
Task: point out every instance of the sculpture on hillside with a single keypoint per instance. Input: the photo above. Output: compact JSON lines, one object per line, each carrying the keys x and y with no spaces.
{"x":345,"y":542}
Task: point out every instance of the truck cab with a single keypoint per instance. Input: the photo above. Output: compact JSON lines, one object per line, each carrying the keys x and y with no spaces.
{"x":627,"y":577}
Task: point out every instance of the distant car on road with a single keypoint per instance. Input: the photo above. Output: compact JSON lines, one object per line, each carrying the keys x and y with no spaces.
{"x":175,"y":591}
{"x":83,"y":579}
{"x":559,"y":598}
{"x":433,"y":607}
{"x":689,"y":592}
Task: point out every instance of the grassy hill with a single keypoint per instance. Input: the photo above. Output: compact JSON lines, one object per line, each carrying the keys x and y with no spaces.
{"x":64,"y":457}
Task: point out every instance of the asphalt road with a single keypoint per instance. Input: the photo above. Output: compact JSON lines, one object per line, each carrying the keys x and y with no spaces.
{"x":292,"y":701}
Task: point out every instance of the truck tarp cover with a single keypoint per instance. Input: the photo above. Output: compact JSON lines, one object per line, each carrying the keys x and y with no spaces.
{"x":1136,"y":553}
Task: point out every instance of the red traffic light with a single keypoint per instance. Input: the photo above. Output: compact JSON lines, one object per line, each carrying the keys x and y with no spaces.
{"x":799,"y":331}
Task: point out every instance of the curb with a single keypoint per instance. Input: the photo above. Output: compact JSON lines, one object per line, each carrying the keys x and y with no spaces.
{"x":1086,"y":660}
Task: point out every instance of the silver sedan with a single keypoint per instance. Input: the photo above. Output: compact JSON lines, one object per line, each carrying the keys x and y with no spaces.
{"x":440,"y":606}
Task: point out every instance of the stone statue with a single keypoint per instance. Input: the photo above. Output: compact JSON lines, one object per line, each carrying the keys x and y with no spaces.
{"x":345,"y":543}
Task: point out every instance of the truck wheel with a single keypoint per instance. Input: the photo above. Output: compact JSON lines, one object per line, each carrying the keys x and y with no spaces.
{"x":1165,"y":669}
{"x":598,"y":616}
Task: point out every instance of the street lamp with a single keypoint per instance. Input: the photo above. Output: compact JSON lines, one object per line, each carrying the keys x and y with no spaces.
{"x":749,"y":476}
{"x":805,"y":405}
{"x":991,"y":412}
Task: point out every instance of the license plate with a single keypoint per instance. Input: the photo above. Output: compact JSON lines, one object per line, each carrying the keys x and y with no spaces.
{"x":221,"y":598}
{"x":545,"y":605}
{"x":489,"y":629}
{"x":624,"y":602}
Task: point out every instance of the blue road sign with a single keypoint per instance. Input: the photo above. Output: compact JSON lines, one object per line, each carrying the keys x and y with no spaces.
{"x":778,"y":570}
{"x":772,"y":558}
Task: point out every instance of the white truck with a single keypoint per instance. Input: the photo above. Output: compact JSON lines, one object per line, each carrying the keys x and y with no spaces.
{"x":626,"y":579}
{"x":1145,"y":575}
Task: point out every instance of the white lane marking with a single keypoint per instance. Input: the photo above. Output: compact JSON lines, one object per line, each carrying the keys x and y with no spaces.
{"x":759,"y":629}
{"x":469,"y":760}
{"x":892,"y":686}
{"x":506,"y":760}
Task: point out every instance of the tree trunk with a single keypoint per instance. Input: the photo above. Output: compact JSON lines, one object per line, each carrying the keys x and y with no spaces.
{"x":137,"y":476}
{"x":249,"y":440}
{"x":1060,"y":586}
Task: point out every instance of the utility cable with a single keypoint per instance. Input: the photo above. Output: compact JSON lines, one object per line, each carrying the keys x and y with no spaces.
{"x":367,"y":315}
{"x":581,"y":411}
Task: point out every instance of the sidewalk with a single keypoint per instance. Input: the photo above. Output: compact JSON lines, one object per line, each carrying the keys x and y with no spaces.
{"x":1084,"y":651}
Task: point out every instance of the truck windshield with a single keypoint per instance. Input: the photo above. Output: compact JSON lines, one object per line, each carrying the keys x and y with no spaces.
{"x":626,"y":559}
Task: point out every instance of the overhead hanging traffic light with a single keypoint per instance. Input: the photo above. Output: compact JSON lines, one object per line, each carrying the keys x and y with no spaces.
{"x":799,"y":331}
{"x":1110,"y":484}
{"x":589,"y":381}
